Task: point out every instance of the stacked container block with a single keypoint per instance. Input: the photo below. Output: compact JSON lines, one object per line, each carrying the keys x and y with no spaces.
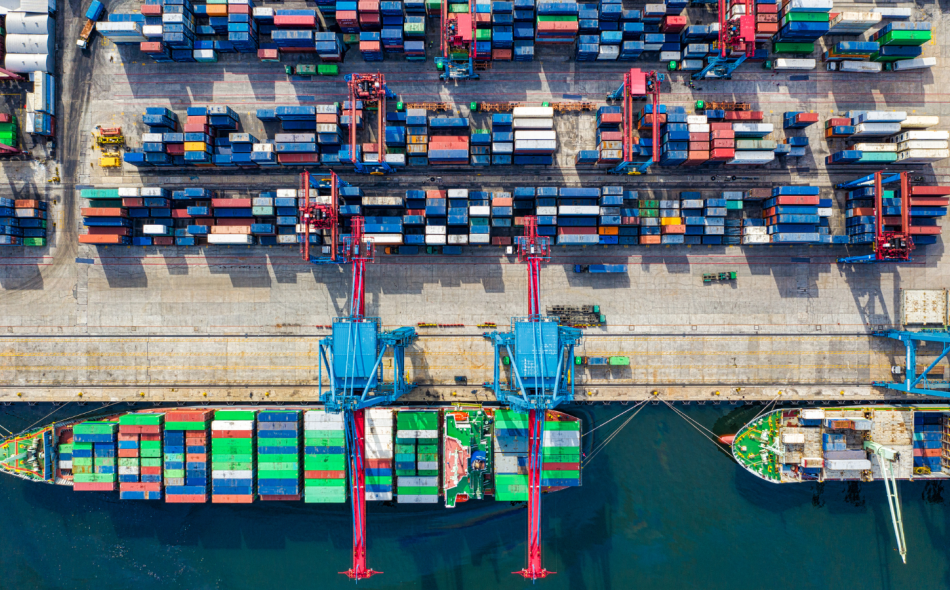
{"x":928,"y":440}
{"x":232,"y":466}
{"x":93,"y":456}
{"x":140,"y":456}
{"x":186,"y":456}
{"x":325,"y":458}
{"x":278,"y":455}
{"x":417,"y":457}
{"x":22,"y":222}
{"x":378,"y":454}
{"x":510,"y":442}
{"x":560,"y":451}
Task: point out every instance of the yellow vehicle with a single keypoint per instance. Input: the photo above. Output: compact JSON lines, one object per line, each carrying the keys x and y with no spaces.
{"x":110,"y":161}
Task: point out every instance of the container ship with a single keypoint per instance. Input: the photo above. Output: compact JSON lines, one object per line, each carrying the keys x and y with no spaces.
{"x":415,"y":455}
{"x":846,"y":444}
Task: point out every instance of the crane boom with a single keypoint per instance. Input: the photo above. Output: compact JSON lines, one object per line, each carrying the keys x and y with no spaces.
{"x":888,"y":458}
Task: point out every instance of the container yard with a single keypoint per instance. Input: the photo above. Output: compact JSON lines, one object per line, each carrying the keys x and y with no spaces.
{"x":295,"y":242}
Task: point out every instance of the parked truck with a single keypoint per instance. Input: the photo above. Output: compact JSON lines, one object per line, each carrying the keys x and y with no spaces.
{"x":92,"y":15}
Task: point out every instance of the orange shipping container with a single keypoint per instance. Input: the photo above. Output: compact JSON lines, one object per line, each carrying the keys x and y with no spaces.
{"x":216,"y":9}
{"x":99,"y":239}
{"x":231,"y":230}
{"x":103,"y":212}
{"x":608,"y":231}
{"x":650,"y":239}
{"x":673,"y":229}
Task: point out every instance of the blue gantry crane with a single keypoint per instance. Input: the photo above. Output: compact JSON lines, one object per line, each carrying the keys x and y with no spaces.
{"x":920,"y":384}
{"x":735,"y":33}
{"x":352,"y":355}
{"x":637,"y":84}
{"x":895,"y":243}
{"x":541,"y":355}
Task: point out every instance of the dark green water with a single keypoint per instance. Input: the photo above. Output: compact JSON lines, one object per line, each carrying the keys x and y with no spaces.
{"x":661,"y":508}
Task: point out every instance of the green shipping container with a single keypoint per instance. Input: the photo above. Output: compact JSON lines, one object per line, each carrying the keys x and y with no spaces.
{"x":278,"y":459}
{"x":511,"y":487}
{"x":95,"y":428}
{"x":553,"y":18}
{"x":805,"y":17}
{"x":151,"y":462}
{"x":291,"y":443}
{"x":142,"y":419}
{"x":152,"y":453}
{"x":786,"y":47}
{"x":281,"y":474}
{"x":325,"y":483}
{"x":418,"y":490}
{"x":186,"y":426}
{"x":545,"y":474}
{"x":328,"y":69}
{"x":555,"y":425}
{"x":905,"y":38}
{"x":92,"y":478}
{"x":235,"y":415}
{"x":174,"y":473}
{"x":99,"y":193}
{"x":457,"y":8}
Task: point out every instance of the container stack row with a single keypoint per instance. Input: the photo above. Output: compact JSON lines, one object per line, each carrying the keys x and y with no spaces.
{"x":232,"y":460}
{"x":561,"y":452}
{"x":927,"y":204}
{"x":8,"y":130}
{"x":378,"y":454}
{"x":140,"y":456}
{"x":278,"y":455}
{"x":187,"y":456}
{"x":93,"y":456}
{"x":510,"y":441}
{"x":928,"y":440}
{"x":534,"y":135}
{"x":324,"y":457}
{"x":22,"y":222}
{"x":205,"y":130}
{"x":417,"y":457}
{"x":40,"y":107}
{"x":887,"y":137}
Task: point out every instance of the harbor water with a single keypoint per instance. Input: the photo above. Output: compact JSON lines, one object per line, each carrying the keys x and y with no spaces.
{"x":660,"y":508}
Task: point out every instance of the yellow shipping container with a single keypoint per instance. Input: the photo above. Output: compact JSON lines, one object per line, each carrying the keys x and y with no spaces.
{"x":417,"y":149}
{"x":195,"y":146}
{"x":418,"y":139}
{"x":671,"y":221}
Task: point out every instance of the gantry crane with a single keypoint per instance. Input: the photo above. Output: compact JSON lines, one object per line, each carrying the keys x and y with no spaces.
{"x":319,"y":213}
{"x":353,"y":358}
{"x":734,"y":34}
{"x":893,"y":245}
{"x":637,"y":83}
{"x":542,"y":377}
{"x":460,"y":33}
{"x":888,"y":458}
{"x":369,"y":88}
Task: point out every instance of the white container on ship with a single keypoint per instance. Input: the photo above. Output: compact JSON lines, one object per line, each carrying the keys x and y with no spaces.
{"x":535,"y":145}
{"x":152,"y":31}
{"x":151,"y":191}
{"x":152,"y":229}
{"x":532,"y":134}
{"x":232,"y":425}
{"x":918,"y":63}
{"x":396,"y":159}
{"x":435,"y":240}
{"x":809,"y":5}
{"x":479,"y":211}
{"x":755,"y":231}
{"x":263,"y":147}
{"x":532,"y":124}
{"x":262,"y":13}
{"x":479,"y":239}
{"x":784,"y":63}
{"x":129,"y":191}
{"x":578,"y":210}
{"x":386,"y":239}
{"x":435,"y":230}
{"x":382,"y":201}
{"x":458,"y":240}
{"x":287,"y":193}
{"x":893,"y":12}
{"x":532,"y":112}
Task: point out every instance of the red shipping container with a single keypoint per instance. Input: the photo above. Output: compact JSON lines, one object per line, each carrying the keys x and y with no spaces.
{"x":268,"y":54}
{"x":298,"y":49}
{"x":100,"y":239}
{"x":699,"y":136}
{"x":430,"y":194}
{"x":481,"y":18}
{"x":103,"y":212}
{"x":699,"y":146}
{"x":415,"y":212}
{"x":298,"y":158}
{"x":917,"y":230}
{"x":370,"y":148}
{"x":197,"y":120}
{"x":93,"y":487}
{"x":806,"y":117}
{"x":722,"y":143}
{"x":232,"y":434}
{"x":330,"y":119}
{"x":611,"y":136}
{"x":672,"y":229}
{"x":125,"y":436}
{"x":929,"y":191}
{"x":286,"y":498}
{"x":766,"y":8}
{"x":723,"y":134}
{"x":295,"y":21}
{"x":797,"y":200}
{"x":714,"y":127}
{"x":650,"y":239}
{"x":368,"y":6}
{"x":106,"y":231}
{"x":175,"y":149}
{"x":346,"y":17}
{"x":180,"y":214}
{"x":560,"y":466}
{"x":151,"y":437}
{"x":767,"y":28}
{"x":195,"y":128}
{"x":927,"y":201}
{"x":231,"y":499}
{"x":837,"y":122}
{"x":672,"y":24}
{"x":151,"y":9}
{"x":163,"y":241}
{"x":151,"y":46}
{"x":331,"y":474}
{"x":744,"y":115}
{"x":862,"y":211}
{"x":612,"y":118}
{"x":244,"y":203}
{"x":127,"y":202}
{"x":766,"y":18}
{"x":151,"y":470}
{"x":141,"y":487}
{"x":722,"y":154}
{"x":694,"y":158}
{"x":500,"y":241}
{"x":187,"y":415}
{"x":5,"y":118}
{"x":501,"y":202}
{"x":369,"y":19}
{"x":379,"y":463}
{"x":186,"y":499}
{"x":501,"y":54}
{"x":128,"y":453}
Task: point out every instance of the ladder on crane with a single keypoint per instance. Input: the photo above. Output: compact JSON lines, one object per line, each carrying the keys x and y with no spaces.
{"x":542,"y":367}
{"x":888,"y":458}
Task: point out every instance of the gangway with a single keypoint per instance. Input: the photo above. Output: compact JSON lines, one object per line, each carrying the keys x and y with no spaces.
{"x":542,"y":377}
{"x":735,"y":34}
{"x":636,"y":84}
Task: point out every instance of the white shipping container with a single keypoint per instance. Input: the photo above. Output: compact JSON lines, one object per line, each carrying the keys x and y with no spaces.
{"x":386,"y":239}
{"x":533,"y":112}
{"x":754,"y":157}
{"x":379,"y":496}
{"x":479,"y":211}
{"x":696,"y":120}
{"x":920,"y":122}
{"x":263,"y":13}
{"x":65,"y":464}
{"x":458,"y":240}
{"x":126,"y":27}
{"x":128,"y":470}
{"x":328,"y":128}
{"x":578,"y":210}
{"x":530,"y":134}
{"x":608,"y":52}
{"x":231,"y":239}
{"x":154,"y":229}
{"x":263,"y":147}
{"x":879,"y":117}
{"x":532,"y":124}
{"x":921,"y":135}
{"x":418,"y":434}
{"x":382,"y":201}
{"x":332,"y":109}
{"x":847,"y":464}
{"x":287,"y":239}
{"x":152,"y":138}
{"x":546,"y":210}
{"x":698,"y":128}
{"x":824,"y":211}
{"x":561,"y":438}
{"x":921,"y":145}
{"x":611,"y":154}
{"x":129,"y":191}
{"x":918,"y":63}
{"x":404,"y":499}
{"x":876,"y":129}
{"x":809,"y":5}
{"x":755,"y":231}
{"x":435,"y":240}
{"x":378,"y":417}
{"x":152,"y":191}
{"x":458,"y":193}
{"x":232,"y":474}
{"x":861,"y":67}
{"x":756,"y":239}
{"x":535,"y":145}
{"x":668,"y":55}
{"x":380,"y":431}
{"x":435,"y":230}
{"x":784,"y":63}
{"x":874,"y":147}
{"x":479,"y":239}
{"x":793,"y":438}
{"x":417,"y":482}
{"x":753,"y":127}
{"x":919,"y":156}
{"x":892,"y":12}
{"x":287,"y":193}
{"x":415,"y":112}
{"x":379,"y":442}
{"x":426,"y":465}
{"x":691,"y":65}
{"x":232,"y":425}
{"x":319,"y":416}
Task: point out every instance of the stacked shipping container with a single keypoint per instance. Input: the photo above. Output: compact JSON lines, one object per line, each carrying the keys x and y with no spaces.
{"x":93,"y":456}
{"x":140,"y":456}
{"x":324,"y":457}
{"x":232,"y":460}
{"x":417,"y":457}
{"x":278,"y":455}
{"x":187,"y":451}
{"x":378,"y":454}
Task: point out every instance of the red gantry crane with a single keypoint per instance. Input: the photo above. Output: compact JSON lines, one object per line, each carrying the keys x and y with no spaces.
{"x":737,"y":33}
{"x":895,"y":244}
{"x":637,"y":83}
{"x":369,"y":88}
{"x":316,"y":215}
{"x":458,"y":33}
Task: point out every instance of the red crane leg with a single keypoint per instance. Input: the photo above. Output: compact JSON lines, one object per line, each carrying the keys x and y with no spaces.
{"x":535,"y":569}
{"x":359,"y":571}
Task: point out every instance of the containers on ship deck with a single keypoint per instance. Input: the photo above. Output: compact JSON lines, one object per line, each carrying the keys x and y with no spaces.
{"x":379,"y":456}
{"x":232,"y":456}
{"x":140,"y":456}
{"x":416,"y":457}
{"x":186,"y":450}
{"x":324,"y":457}
{"x":94,"y":456}
{"x":278,"y":455}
